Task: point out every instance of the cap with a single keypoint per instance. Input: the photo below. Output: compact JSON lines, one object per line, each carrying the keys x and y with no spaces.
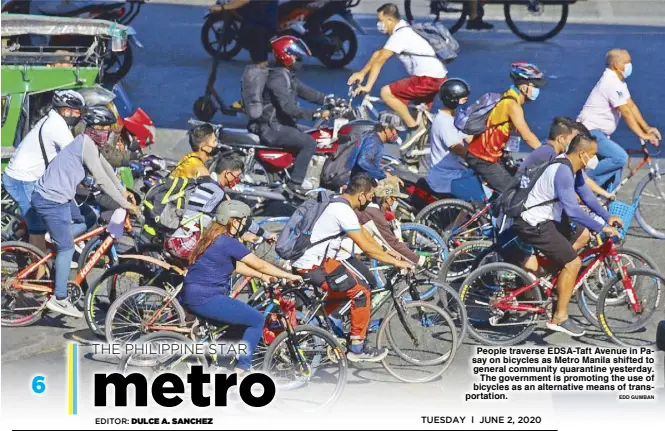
{"x":389,"y":187}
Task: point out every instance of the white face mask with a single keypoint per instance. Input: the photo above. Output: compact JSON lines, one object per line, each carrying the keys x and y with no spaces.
{"x":381,"y":27}
{"x":394,"y":206}
{"x":592,"y":163}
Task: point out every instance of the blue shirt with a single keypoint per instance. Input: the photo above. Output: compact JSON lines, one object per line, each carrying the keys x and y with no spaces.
{"x":366,"y":157}
{"x":211,"y":273}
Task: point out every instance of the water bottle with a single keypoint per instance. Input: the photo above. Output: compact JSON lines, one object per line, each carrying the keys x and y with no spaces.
{"x":513,"y":144}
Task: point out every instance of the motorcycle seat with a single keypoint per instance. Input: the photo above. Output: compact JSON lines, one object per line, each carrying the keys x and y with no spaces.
{"x":241,"y":138}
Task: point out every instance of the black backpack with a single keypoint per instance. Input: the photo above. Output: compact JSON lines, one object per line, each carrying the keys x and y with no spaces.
{"x":513,"y":199}
{"x":165,"y":203}
{"x":336,"y":172}
{"x":252,"y":84}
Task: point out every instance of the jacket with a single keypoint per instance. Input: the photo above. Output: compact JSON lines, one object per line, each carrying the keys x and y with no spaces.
{"x":280,"y":101}
{"x":375,"y":214}
{"x":366,"y":157}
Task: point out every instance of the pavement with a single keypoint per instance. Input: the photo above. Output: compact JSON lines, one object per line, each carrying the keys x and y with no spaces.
{"x":171,"y":72}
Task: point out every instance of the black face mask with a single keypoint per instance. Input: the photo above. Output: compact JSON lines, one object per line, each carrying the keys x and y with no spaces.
{"x":72,"y":121}
{"x":364,"y":206}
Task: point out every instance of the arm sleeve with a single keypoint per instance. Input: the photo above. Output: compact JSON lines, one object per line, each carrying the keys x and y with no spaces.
{"x":368,"y":160}
{"x":395,"y":44}
{"x":287,"y":100}
{"x":618,"y":96}
{"x":99,"y":169}
{"x":347,"y":219}
{"x":115,"y":157}
{"x":308,"y":93}
{"x":588,"y":197}
{"x":565,"y":191}
{"x":257,"y":230}
{"x":237,"y":250}
{"x":384,"y":229}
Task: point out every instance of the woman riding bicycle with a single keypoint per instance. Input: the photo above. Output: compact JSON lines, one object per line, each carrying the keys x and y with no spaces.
{"x":208,"y":281}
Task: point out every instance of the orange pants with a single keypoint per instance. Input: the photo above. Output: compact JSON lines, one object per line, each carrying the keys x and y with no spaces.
{"x":360,"y":298}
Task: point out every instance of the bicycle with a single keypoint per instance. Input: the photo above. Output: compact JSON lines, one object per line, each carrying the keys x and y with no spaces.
{"x":20,"y":260}
{"x":500,"y":295}
{"x":285,"y":359}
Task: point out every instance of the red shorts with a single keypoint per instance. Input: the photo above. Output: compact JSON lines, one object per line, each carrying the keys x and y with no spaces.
{"x":419,"y":89}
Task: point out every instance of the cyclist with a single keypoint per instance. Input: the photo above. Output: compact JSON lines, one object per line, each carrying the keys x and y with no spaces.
{"x":486,"y":149}
{"x":552,"y":202}
{"x":608,"y":102}
{"x":426,"y":71}
{"x":208,"y":280}
{"x":446,"y":162}
{"x":203,"y":141}
{"x":367,"y":154}
{"x":53,"y":199}
{"x":325,"y":264}
{"x":277,"y":125}
{"x":202,"y":204}
{"x":38,"y":148}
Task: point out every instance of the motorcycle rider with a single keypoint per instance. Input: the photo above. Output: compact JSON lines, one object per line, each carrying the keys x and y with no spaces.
{"x":38,"y":148}
{"x":277,"y":125}
{"x":203,"y":140}
{"x":53,"y":198}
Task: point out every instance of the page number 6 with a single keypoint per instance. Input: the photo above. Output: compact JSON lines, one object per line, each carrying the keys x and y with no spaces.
{"x":38,"y":385}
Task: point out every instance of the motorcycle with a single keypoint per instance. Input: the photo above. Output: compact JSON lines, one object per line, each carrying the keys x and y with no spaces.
{"x":116,"y":64}
{"x":333,"y":42}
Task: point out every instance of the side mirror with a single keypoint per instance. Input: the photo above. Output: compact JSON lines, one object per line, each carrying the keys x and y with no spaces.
{"x":660,"y":336}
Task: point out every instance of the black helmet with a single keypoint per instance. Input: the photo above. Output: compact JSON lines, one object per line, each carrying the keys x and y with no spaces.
{"x":452,"y":91}
{"x":98,"y":116}
{"x":67,"y":99}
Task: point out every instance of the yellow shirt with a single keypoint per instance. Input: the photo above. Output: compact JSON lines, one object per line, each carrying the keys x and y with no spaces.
{"x":489,"y":145}
{"x":188,"y":166}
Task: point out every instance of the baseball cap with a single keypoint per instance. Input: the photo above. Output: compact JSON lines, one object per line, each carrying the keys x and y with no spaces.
{"x":389,"y":187}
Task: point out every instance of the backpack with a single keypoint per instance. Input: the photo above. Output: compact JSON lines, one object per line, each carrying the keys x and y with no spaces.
{"x":473,"y":119}
{"x":512,"y":201}
{"x":294,"y":240}
{"x":165,"y":203}
{"x":439,"y":38}
{"x":252,"y":83}
{"x":335,"y":172}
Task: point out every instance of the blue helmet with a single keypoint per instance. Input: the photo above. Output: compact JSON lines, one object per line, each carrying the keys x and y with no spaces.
{"x":524,"y":73}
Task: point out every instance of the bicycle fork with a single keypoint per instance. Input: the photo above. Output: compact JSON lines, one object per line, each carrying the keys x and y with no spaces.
{"x":627,"y":282}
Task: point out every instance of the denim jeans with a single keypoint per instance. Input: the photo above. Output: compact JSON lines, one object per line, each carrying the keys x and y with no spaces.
{"x":612,"y":158}
{"x":64,"y":222}
{"x":21,"y":192}
{"x":290,"y":137}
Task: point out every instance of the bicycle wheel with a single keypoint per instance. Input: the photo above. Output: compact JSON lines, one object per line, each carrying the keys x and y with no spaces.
{"x":128,"y":315}
{"x":651,"y":194}
{"x":535,"y":24}
{"x":309,"y":368}
{"x":424,"y":241}
{"x":620,"y":321}
{"x":487,"y":323}
{"x":464,"y":259}
{"x":453,"y":219}
{"x":219,"y":37}
{"x":421,"y":340}
{"x":452,"y":16}
{"x":108,"y":287}
{"x":443,"y":296}
{"x":22,"y":307}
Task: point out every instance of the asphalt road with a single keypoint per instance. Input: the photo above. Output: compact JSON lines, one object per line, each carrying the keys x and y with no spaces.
{"x":171,"y":71}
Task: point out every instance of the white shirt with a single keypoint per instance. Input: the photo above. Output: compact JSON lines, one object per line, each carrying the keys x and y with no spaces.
{"x":338,"y":217}
{"x":27,"y":163}
{"x":600,"y":112}
{"x":404,"y":41}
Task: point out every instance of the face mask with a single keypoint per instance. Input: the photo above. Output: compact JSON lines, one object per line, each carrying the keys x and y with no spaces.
{"x":592,"y":163}
{"x":534,"y":93}
{"x":364,"y":206}
{"x":381,"y":27}
{"x":98,"y":136}
{"x":234,"y":181}
{"x":628,"y":70}
{"x":394,"y":138}
{"x":72,"y":121}
{"x":394,"y":206}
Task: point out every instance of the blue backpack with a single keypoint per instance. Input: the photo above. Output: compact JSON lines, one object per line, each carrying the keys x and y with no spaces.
{"x":294,"y":240}
{"x":473,"y":119}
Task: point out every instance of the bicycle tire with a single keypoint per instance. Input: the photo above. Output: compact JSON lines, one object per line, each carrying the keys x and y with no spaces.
{"x":96,"y":321}
{"x":614,"y":331}
{"x":455,"y":27}
{"x":638,"y":195}
{"x":449,"y":274}
{"x":539,"y":38}
{"x":483,"y":271}
{"x":172,"y":337}
{"x":427,"y":217}
{"x":143,"y":290}
{"x":339,"y":28}
{"x":205,"y":41}
{"x":455,"y":310}
{"x":334,"y":348}
{"x":442,"y":362}
{"x":429,"y":232}
{"x":37,"y":315}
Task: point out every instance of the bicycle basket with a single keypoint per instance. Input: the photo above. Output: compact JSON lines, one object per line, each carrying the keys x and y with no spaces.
{"x":625,"y":212}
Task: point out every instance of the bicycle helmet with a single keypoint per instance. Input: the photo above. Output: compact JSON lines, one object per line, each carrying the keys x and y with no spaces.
{"x":452,"y":91}
{"x":231,"y":209}
{"x":98,"y":116}
{"x":288,"y":49}
{"x":68,"y":99}
{"x":525,"y":73}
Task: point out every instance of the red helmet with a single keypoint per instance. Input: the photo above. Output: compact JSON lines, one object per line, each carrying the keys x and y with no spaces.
{"x":288,"y":49}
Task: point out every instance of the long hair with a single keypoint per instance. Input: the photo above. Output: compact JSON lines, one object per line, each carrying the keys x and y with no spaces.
{"x":206,"y":240}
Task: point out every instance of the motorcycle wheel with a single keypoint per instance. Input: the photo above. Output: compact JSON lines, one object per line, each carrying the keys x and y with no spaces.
{"x":218,"y":34}
{"x":340,"y":34}
{"x":123,"y":60}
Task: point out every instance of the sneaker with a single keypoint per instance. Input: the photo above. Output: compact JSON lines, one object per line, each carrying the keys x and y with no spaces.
{"x":73,"y":265}
{"x":478,"y":24}
{"x":567,"y":327}
{"x":367,"y":355}
{"x":63,"y":306}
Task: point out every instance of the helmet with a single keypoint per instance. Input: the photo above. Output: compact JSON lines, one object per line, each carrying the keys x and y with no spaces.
{"x":288,"y":49}
{"x":68,"y":99}
{"x":98,"y":116}
{"x":452,"y":91}
{"x":524,"y":73}
{"x":231,"y":209}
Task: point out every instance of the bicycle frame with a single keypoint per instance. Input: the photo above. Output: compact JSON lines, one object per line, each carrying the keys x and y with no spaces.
{"x":646,"y":159}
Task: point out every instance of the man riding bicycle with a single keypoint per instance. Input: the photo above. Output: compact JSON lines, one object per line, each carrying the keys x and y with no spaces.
{"x":328,"y":266}
{"x":203,"y":141}
{"x":551,"y":205}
